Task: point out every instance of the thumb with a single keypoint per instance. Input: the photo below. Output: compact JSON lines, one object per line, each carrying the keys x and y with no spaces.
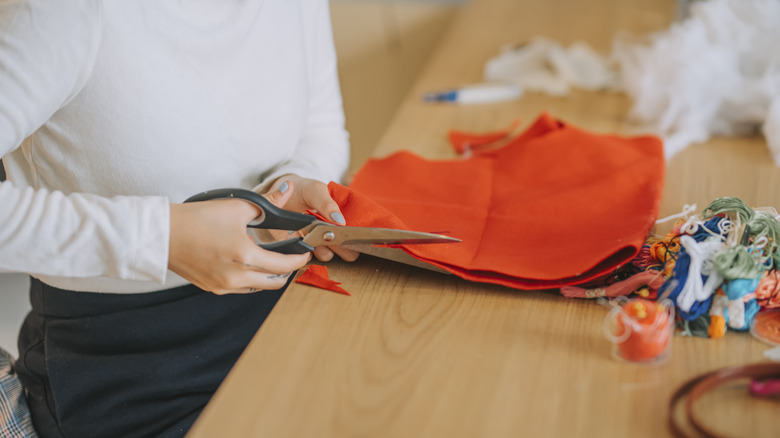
{"x":281,"y":194}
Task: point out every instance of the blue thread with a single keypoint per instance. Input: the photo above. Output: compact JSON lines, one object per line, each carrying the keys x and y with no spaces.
{"x":680,"y":273}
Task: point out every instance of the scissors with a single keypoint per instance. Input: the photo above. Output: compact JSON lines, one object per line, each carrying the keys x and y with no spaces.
{"x":316,"y":232}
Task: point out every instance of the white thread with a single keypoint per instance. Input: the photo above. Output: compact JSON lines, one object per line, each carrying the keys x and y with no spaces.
{"x":691,"y":225}
{"x":687,"y":209}
{"x":719,"y":304}
{"x":733,"y":238}
{"x":725,"y":227}
{"x":695,"y":289}
{"x":736,"y":312}
{"x":761,"y":242}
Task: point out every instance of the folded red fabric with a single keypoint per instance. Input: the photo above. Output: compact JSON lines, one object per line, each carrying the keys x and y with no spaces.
{"x":317,"y":276}
{"x":556,"y":206}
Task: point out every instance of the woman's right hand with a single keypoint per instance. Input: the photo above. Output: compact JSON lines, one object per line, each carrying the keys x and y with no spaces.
{"x":210,"y":248}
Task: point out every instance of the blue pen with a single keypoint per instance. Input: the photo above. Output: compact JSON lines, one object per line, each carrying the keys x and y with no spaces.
{"x":473,"y":94}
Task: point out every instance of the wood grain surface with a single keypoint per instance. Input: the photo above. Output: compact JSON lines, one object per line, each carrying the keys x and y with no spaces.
{"x":421,"y":354}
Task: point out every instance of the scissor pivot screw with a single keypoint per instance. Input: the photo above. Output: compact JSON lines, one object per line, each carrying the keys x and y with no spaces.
{"x":328,"y":236}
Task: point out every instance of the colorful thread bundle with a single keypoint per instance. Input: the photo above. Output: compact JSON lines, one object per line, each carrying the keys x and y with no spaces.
{"x":719,"y":269}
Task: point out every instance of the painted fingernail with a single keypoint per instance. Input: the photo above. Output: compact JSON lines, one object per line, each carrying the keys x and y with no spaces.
{"x":338,"y":218}
{"x":283,"y":188}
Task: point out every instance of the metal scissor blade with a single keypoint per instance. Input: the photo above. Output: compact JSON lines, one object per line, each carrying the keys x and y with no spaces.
{"x":337,"y":235}
{"x":396,"y":255}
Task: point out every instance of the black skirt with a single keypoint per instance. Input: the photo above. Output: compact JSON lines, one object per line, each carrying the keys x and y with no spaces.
{"x":130,"y":365}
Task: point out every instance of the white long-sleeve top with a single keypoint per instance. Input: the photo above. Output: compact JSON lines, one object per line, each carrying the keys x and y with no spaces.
{"x":110,"y":110}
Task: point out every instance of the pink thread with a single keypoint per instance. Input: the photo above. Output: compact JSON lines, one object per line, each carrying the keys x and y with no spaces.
{"x":645,"y":259}
{"x":652,"y":279}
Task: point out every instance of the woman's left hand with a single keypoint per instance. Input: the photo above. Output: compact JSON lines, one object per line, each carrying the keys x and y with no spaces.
{"x":310,"y":194}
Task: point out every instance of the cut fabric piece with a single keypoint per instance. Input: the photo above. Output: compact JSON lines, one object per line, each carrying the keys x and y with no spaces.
{"x":463,"y":142}
{"x":556,"y":206}
{"x":317,"y":276}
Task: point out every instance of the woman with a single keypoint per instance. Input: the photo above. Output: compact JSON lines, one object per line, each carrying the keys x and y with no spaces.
{"x":113,"y":113}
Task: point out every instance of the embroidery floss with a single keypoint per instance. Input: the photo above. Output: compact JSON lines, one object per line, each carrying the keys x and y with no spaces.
{"x":645,"y":259}
{"x":768,"y":290}
{"x":717,"y":327}
{"x":737,"y":262}
{"x":727,"y":205}
{"x":742,"y":306}
{"x":701,"y":254}
{"x":729,"y":247}
{"x":653,"y":279}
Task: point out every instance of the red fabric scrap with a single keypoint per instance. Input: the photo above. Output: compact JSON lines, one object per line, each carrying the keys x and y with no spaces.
{"x":317,"y":276}
{"x":556,"y":206}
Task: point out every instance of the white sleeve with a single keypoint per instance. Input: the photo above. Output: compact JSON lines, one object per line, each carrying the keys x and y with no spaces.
{"x":83,"y":235}
{"x":46,"y":51}
{"x":323,"y":151}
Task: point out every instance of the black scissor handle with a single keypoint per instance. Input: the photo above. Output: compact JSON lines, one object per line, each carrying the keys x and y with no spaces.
{"x":271,"y":217}
{"x":296,"y":245}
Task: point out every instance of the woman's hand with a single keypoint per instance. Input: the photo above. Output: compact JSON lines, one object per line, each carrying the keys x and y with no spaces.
{"x":209,"y":247}
{"x":309,"y":194}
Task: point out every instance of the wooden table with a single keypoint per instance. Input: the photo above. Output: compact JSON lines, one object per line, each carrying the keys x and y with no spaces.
{"x":419,"y":354}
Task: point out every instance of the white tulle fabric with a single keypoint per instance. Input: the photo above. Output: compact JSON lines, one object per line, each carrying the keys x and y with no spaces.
{"x":717,"y":72}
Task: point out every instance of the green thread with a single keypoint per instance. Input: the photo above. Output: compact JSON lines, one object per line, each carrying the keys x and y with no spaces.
{"x":729,"y":204}
{"x":737,"y":262}
{"x":764,"y":224}
{"x":699,"y":327}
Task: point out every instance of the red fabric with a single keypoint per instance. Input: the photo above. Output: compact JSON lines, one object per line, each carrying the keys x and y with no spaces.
{"x":317,"y":276}
{"x":556,"y":206}
{"x":463,"y":141}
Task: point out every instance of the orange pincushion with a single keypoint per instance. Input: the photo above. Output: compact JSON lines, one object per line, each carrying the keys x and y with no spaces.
{"x":642,"y":330}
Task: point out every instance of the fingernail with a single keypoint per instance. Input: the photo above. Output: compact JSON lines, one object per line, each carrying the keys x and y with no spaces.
{"x":338,"y":218}
{"x":283,"y":188}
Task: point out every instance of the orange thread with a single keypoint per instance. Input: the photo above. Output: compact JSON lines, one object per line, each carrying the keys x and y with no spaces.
{"x":666,"y":251}
{"x":717,"y":326}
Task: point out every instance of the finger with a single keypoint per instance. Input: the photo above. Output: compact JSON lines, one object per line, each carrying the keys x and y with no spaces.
{"x":239,"y":209}
{"x":259,"y":282}
{"x":323,"y":253}
{"x":317,"y":197}
{"x":348,"y":255}
{"x":263,"y":261}
{"x":280,"y":194}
